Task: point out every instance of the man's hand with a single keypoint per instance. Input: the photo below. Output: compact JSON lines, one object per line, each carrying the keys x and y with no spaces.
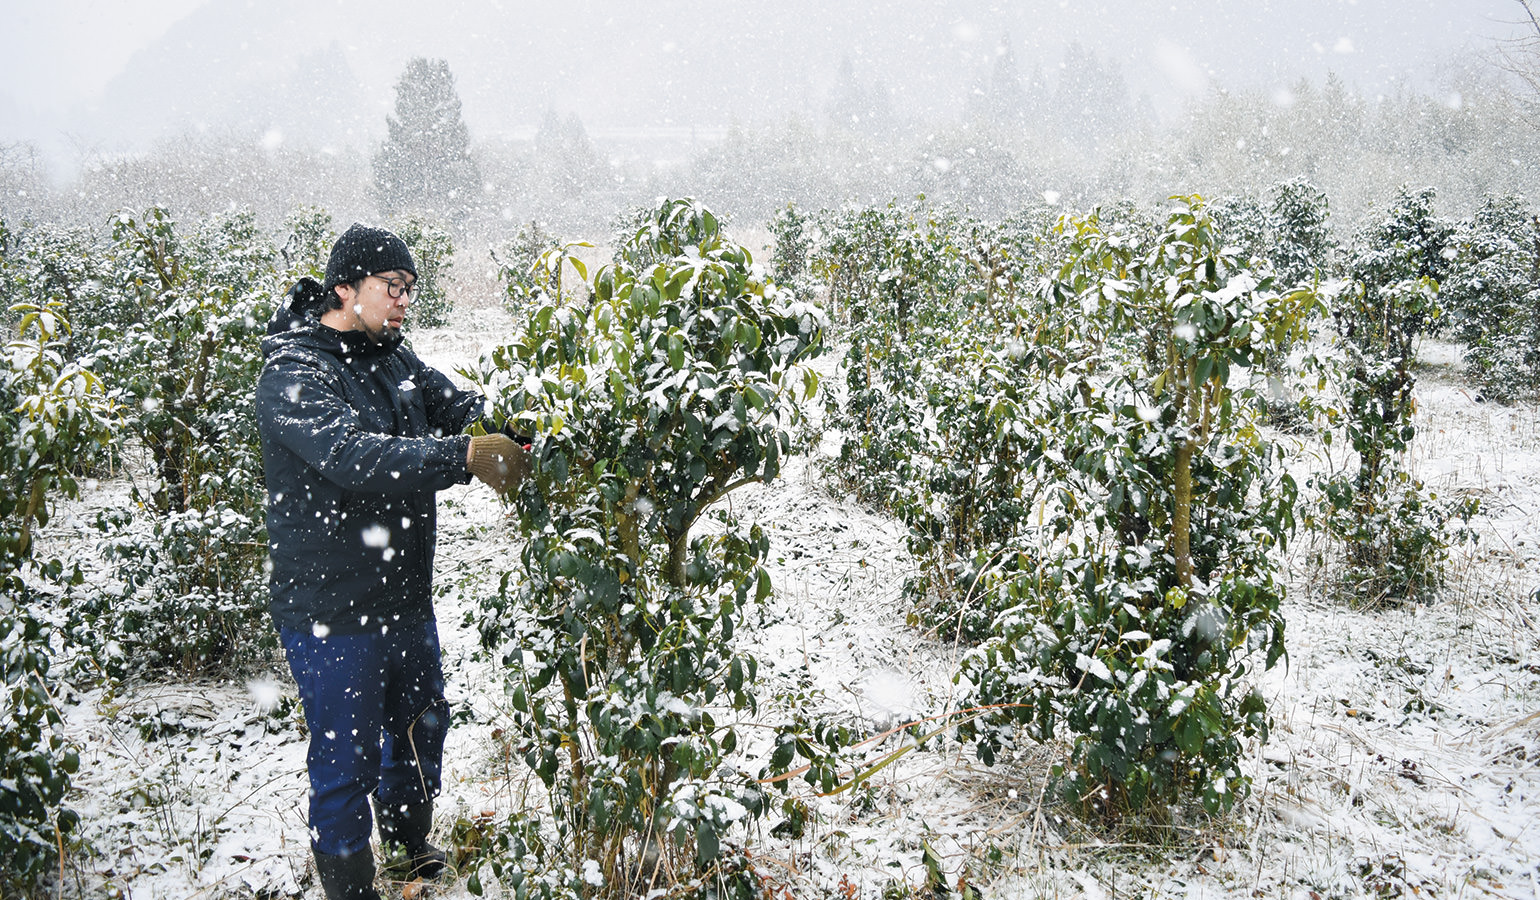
{"x":499,"y":461}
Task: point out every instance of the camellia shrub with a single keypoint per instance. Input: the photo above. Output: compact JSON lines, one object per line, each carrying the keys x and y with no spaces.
{"x":1135,"y":611}
{"x":792,"y":230}
{"x":1395,"y":535}
{"x":1302,"y":244}
{"x":670,"y":380}
{"x":54,"y":414}
{"x":308,"y":245}
{"x":520,"y":268}
{"x":1245,"y":224}
{"x":936,"y":425}
{"x":68,"y":265}
{"x":188,"y":552}
{"x":871,"y":258}
{"x":433,"y":252}
{"x":1068,"y":418}
{"x":1491,"y":298}
{"x":876,"y":262}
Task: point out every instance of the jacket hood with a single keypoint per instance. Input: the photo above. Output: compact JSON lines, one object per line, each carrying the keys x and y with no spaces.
{"x":297,"y":323}
{"x":303,"y":306}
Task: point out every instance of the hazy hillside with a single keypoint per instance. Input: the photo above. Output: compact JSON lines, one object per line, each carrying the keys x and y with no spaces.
{"x":317,"y":71}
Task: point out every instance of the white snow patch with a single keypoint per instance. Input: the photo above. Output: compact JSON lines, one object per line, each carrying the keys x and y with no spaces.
{"x":265,"y":693}
{"x":592,"y":874}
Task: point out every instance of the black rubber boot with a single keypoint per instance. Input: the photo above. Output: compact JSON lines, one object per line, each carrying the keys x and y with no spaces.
{"x":407,"y":826}
{"x":346,"y":877}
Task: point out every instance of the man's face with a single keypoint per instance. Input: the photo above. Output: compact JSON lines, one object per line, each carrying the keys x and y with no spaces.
{"x":371,"y":308}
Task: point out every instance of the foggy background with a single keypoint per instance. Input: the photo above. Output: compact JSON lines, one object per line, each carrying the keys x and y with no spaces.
{"x":576,"y":110}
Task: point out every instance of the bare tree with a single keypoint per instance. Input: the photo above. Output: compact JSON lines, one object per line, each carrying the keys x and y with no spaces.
{"x":1520,"y":56}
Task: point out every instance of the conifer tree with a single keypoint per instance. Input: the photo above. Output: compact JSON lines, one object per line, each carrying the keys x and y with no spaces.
{"x":856,"y":107}
{"x":1004,"y":99}
{"x":425,"y":163}
{"x":566,"y":157}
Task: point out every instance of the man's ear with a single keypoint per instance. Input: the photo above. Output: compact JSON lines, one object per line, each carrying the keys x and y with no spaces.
{"x":343,"y":296}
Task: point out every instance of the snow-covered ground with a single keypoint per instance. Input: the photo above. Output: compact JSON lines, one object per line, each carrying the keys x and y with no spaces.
{"x":1404,"y":758}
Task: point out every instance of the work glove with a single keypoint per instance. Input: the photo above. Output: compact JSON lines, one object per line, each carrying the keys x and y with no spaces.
{"x":507,"y":429}
{"x":499,"y":461}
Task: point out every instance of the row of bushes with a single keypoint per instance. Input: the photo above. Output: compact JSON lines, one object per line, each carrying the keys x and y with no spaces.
{"x":667,"y":380}
{"x":1067,"y":412}
{"x":1072,"y":414}
{"x":135,"y":350}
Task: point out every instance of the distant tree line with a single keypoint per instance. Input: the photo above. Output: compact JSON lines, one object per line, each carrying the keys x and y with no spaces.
{"x":1079,"y":138}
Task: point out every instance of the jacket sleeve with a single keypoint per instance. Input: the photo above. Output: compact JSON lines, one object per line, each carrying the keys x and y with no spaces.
{"x":302,"y":409}
{"x":450,"y":409}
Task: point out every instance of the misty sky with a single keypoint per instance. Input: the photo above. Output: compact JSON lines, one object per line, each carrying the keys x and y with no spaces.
{"x":62,"y":52}
{"x":90,"y":66}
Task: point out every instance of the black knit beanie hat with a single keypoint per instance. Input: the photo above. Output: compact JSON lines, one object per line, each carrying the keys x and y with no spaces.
{"x":363,"y":250}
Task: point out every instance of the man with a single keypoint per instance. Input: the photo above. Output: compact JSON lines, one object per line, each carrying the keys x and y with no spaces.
{"x":357,"y":436}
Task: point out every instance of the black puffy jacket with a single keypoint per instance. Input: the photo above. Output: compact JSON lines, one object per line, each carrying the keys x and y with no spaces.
{"x":356,"y":439}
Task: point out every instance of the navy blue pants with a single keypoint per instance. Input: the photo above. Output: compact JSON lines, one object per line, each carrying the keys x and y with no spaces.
{"x":375,"y":707}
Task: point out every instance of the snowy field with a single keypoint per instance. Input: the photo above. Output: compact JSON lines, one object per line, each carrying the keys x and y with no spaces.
{"x":1404,"y":758}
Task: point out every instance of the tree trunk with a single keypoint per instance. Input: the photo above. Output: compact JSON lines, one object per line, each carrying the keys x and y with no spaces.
{"x":678,"y":551}
{"x":1181,"y":518}
{"x":1181,"y":513}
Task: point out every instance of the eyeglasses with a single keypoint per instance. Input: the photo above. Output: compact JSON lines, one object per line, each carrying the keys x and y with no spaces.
{"x":396,"y":289}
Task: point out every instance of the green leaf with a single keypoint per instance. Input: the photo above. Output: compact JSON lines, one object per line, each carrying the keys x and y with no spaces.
{"x":749,"y":335}
{"x":706,"y":846}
